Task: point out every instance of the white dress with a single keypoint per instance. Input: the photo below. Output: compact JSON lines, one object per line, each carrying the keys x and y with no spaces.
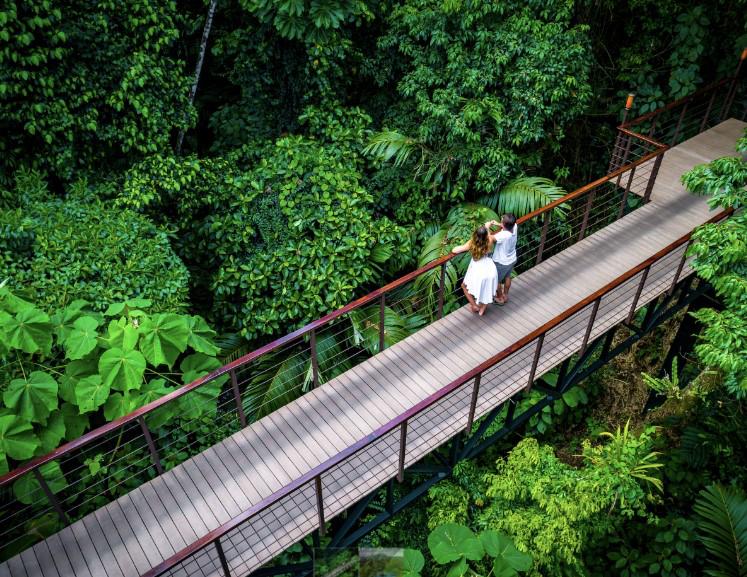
{"x":481,"y":280}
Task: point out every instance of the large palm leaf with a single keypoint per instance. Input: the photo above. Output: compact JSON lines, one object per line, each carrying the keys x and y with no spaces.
{"x":365,"y":324}
{"x":392,"y":144}
{"x":523,"y":195}
{"x":276,"y":379}
{"x":722,"y":524}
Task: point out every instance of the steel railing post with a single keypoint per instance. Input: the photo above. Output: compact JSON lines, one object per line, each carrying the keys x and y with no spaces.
{"x":590,"y":326}
{"x":473,"y":404}
{"x":624,"y":201}
{"x":638,"y":292}
{"x":681,"y":265}
{"x":50,"y":496}
{"x":545,"y":226}
{"x":382,"y":310}
{"x":319,"y":503}
{"x":237,"y":398}
{"x":222,"y":557}
{"x":402,"y":447}
{"x":652,"y":178}
{"x":587,"y":211}
{"x":441,"y":288}
{"x":151,"y":445}
{"x":314,"y":359}
{"x":707,"y":112}
{"x":679,"y":124}
{"x":535,"y":362}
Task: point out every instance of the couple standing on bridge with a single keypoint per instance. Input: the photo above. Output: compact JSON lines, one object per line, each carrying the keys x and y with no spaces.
{"x":488,"y":277}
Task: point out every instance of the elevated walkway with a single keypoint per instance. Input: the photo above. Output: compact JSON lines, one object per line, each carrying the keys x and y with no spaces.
{"x":297,"y":448}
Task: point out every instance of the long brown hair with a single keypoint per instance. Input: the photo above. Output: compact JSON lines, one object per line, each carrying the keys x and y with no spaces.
{"x":479,"y":246}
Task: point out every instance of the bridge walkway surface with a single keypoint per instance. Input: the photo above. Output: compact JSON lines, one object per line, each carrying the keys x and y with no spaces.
{"x":142,"y":529}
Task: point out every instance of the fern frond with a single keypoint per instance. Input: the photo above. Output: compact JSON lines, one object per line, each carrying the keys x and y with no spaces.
{"x":722,"y":524}
{"x":526,"y":194}
{"x":391,"y":144}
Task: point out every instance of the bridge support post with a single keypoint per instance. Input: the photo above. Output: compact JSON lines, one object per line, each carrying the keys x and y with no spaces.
{"x":382,"y":310}
{"x":441,"y":286}
{"x":624,"y":201}
{"x":51,"y":497}
{"x":473,"y":404}
{"x":314,"y":360}
{"x":319,"y":503}
{"x":590,"y":326}
{"x":652,"y":178}
{"x":638,"y":292}
{"x":402,"y":447}
{"x":537,"y":353}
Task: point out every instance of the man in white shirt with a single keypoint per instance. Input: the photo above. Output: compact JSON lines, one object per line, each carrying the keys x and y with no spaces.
{"x":504,"y":254}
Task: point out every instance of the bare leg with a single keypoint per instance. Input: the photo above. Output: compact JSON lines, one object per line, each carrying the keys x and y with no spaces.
{"x":505,"y":290}
{"x":470,"y":299}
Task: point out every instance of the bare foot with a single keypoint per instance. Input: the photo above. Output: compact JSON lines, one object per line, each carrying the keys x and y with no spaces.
{"x":473,"y":308}
{"x":483,"y":308}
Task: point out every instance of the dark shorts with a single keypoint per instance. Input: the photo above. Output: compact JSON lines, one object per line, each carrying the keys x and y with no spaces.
{"x":504,"y":270}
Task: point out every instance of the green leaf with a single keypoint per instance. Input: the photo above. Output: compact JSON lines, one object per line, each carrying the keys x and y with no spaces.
{"x":204,"y":399}
{"x":122,"y":334}
{"x":30,"y":331}
{"x":27,"y":489}
{"x":32,"y":398}
{"x":74,"y":372}
{"x":450,"y":541}
{"x":63,"y":320}
{"x":114,"y":309}
{"x":458,"y":569}
{"x":151,"y":391}
{"x":17,"y":438}
{"x":75,"y":423}
{"x":501,"y":568}
{"x":122,"y":370}
{"x":502,"y":547}
{"x":82,"y":339}
{"x":164,"y":337}
{"x":201,"y":336}
{"x":51,"y":434}
{"x":412,"y":563}
{"x":117,"y":405}
{"x":722,"y":525}
{"x":90,"y":393}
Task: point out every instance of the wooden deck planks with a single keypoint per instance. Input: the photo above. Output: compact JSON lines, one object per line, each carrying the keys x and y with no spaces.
{"x":147,"y":525}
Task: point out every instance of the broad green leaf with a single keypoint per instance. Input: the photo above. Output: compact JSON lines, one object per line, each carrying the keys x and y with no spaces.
{"x":198,"y":365}
{"x":32,"y":398}
{"x":450,"y":541}
{"x":501,"y":568}
{"x":274,"y":383}
{"x":122,"y":334}
{"x":12,"y":303}
{"x":52,"y":433}
{"x":117,"y":406}
{"x":458,"y":568}
{"x":75,"y":423}
{"x":17,"y":438}
{"x":90,"y":393}
{"x":201,"y":336}
{"x":122,"y":370}
{"x":27,"y":489}
{"x":152,"y":391}
{"x":30,"y":331}
{"x":82,"y":339}
{"x":74,"y":372}
{"x":63,"y":320}
{"x":412,"y":563}
{"x":114,"y":309}
{"x":138,"y":303}
{"x":164,"y":337}
{"x":502,"y":547}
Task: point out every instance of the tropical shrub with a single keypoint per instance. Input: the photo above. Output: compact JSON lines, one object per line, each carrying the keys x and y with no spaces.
{"x":84,"y":85}
{"x":720,"y":257}
{"x":57,"y":251}
{"x":77,"y":368}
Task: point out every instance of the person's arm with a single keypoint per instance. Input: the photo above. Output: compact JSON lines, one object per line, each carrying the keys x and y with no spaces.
{"x":462,"y":247}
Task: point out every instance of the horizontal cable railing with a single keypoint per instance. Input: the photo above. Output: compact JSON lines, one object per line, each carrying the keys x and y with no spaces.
{"x":80,"y":476}
{"x":305,"y":500}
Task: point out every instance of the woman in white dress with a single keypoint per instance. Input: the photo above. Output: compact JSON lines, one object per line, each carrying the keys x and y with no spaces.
{"x":481,"y":280}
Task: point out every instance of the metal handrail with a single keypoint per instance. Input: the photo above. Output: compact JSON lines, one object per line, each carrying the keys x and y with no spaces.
{"x":308,"y":329}
{"x":315,"y":473}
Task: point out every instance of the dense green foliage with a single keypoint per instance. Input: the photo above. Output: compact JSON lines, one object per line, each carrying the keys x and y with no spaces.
{"x":59,"y":251}
{"x":331,"y":146}
{"x":720,"y":252}
{"x":76,"y":367}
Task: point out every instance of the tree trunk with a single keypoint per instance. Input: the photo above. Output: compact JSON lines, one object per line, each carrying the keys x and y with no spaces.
{"x":198,"y":67}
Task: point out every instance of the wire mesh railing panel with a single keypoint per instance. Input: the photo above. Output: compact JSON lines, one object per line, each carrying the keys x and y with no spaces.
{"x":360,"y":473}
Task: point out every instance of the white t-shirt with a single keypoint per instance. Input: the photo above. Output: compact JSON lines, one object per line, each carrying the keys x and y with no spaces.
{"x":505,"y":246}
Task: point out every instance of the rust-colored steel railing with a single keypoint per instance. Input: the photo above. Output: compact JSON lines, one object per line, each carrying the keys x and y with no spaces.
{"x":113,"y":458}
{"x":394,"y":433}
{"x":110,"y":460}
